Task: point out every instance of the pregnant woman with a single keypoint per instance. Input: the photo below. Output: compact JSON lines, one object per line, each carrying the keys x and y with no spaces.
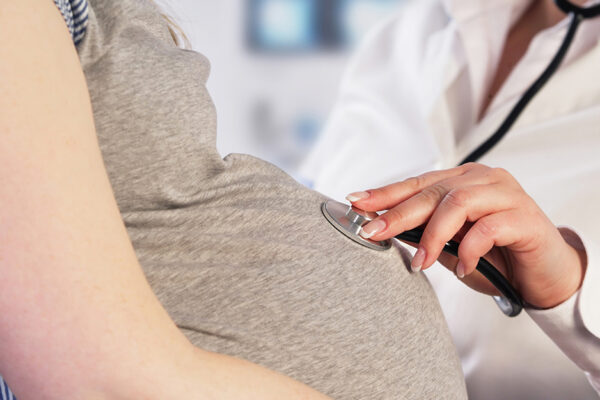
{"x":136,"y":263}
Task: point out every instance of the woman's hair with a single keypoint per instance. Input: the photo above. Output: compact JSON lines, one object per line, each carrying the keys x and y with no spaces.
{"x":178,"y":35}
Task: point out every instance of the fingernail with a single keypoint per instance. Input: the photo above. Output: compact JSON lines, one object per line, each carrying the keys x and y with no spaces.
{"x":372,"y":228}
{"x":417,"y":262}
{"x":460,"y":270}
{"x":358,"y":196}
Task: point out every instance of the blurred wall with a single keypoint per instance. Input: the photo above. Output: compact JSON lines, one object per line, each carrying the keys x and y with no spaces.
{"x":272,"y":101}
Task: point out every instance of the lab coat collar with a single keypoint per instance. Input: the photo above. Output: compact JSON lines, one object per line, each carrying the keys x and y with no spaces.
{"x":469,"y":47}
{"x":482,"y":28}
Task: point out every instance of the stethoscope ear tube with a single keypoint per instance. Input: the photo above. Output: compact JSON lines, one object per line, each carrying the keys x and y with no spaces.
{"x":511,"y":303}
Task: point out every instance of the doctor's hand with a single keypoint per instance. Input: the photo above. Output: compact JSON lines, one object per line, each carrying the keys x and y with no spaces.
{"x":489,"y":213}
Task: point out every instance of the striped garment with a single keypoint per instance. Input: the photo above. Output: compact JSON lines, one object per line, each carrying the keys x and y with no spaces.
{"x":75,"y":13}
{"x":5,"y":393}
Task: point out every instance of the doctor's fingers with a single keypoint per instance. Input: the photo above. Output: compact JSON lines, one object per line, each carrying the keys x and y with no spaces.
{"x":458,"y":200}
{"x":460,"y":206}
{"x":475,"y":281}
{"x":389,"y":196}
{"x":500,"y":229}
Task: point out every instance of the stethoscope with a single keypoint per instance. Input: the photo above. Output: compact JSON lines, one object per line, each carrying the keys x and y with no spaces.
{"x":349,"y":220}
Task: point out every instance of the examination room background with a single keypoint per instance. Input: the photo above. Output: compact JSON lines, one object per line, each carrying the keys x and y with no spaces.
{"x":276,"y":66}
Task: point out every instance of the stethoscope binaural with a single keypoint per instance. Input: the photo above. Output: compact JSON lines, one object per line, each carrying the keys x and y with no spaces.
{"x":349,"y":220}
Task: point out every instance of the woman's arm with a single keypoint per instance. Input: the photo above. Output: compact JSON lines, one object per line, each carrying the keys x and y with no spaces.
{"x":77,"y":318}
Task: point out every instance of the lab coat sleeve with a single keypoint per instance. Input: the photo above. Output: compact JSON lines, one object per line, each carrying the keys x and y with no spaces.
{"x":375,"y":134}
{"x":575,"y":324}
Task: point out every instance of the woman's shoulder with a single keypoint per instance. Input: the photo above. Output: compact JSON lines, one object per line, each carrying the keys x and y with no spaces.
{"x":75,"y":13}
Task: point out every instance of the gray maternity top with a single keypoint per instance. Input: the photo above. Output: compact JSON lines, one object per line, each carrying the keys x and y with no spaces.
{"x":238,"y":252}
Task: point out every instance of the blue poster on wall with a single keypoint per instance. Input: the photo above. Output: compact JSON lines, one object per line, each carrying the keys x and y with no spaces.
{"x":284,"y":26}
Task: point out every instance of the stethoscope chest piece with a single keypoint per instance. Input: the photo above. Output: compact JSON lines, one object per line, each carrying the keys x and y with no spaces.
{"x":349,"y":220}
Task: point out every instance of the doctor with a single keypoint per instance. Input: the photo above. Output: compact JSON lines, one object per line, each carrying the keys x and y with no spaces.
{"x":427,"y":88}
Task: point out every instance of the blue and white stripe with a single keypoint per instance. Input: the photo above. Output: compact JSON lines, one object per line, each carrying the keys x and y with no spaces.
{"x":5,"y":393}
{"x":75,"y":13}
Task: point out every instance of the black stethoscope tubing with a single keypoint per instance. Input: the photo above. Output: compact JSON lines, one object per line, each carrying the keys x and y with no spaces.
{"x":515,"y":302}
{"x":531,"y":92}
{"x":584,"y":12}
{"x":484,"y":267}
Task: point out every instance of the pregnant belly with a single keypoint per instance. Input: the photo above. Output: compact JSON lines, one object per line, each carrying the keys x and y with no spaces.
{"x":251,"y":268}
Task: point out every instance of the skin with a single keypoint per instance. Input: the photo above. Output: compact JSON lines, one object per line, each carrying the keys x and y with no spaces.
{"x":484,"y":208}
{"x":78,"y":319}
{"x":539,"y":16}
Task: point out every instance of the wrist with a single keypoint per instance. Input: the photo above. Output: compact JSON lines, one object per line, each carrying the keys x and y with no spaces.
{"x":578,"y":260}
{"x":572,"y":265}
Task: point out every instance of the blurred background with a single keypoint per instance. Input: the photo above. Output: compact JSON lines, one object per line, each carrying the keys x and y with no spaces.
{"x":276,"y":66}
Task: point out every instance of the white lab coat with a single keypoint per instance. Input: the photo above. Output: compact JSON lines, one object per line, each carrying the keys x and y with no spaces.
{"x":409,"y":103}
